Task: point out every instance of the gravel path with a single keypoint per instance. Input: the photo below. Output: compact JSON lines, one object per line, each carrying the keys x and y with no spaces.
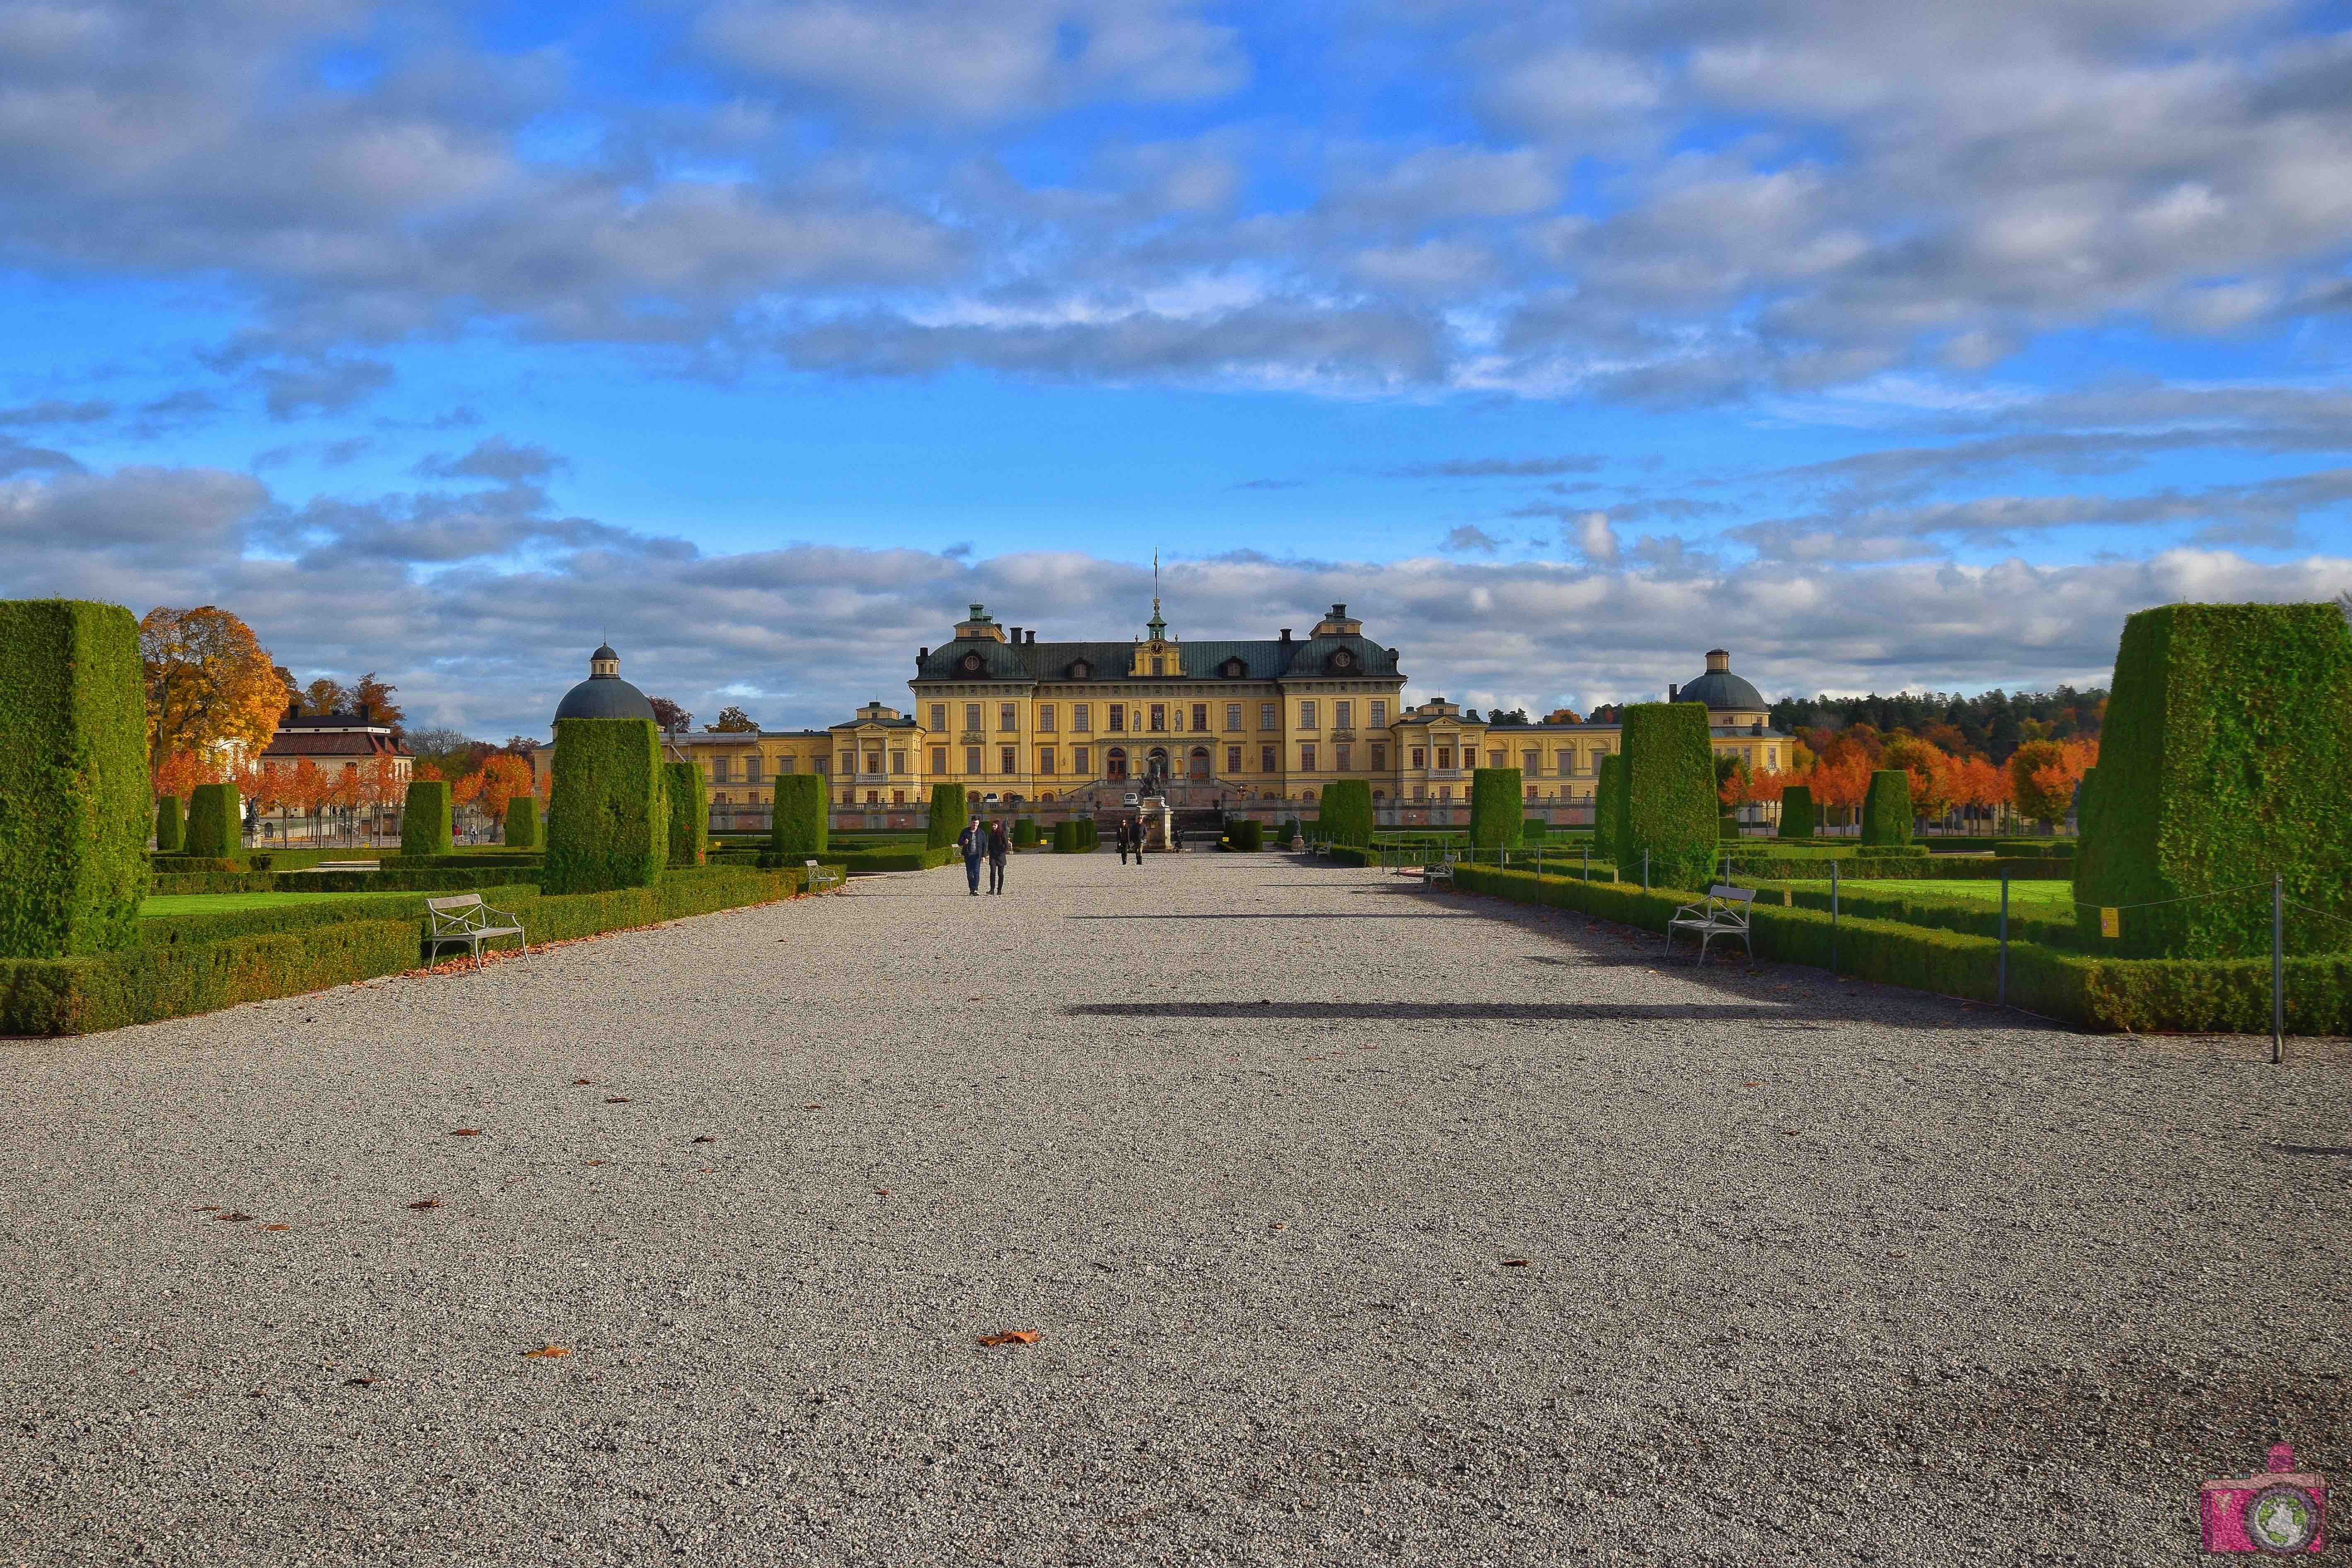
{"x":1814,"y":1273}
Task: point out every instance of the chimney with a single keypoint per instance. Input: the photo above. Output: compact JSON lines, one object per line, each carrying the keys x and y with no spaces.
{"x":1033,"y":636}
{"x":1285,"y":634}
{"x":921,"y":654}
{"x":1016,"y":637}
{"x":1672,"y":690}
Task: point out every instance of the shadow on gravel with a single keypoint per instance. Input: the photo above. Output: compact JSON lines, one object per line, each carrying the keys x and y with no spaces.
{"x":1431,"y":1012}
{"x":1294,"y":915}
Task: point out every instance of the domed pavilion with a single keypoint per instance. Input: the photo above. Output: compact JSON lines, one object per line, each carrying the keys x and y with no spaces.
{"x":604,"y":695}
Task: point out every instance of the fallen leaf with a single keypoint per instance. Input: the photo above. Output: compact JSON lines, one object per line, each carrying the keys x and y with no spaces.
{"x":1279,"y":1225}
{"x":214,"y":1208}
{"x":233,"y":1219}
{"x":465,"y":1133}
{"x":1515,"y":1263}
{"x":705,"y":1138}
{"x":1752,"y":1083}
{"x":1010,"y":1337}
{"x":582,"y":1082}
{"x":359,"y":1382}
{"x":277,"y":1227}
{"x":1790,"y":1133}
{"x":425,"y":1204}
{"x":881,"y":1192}
{"x":616,"y":1099}
{"x":545,"y":1352}
{"x":812,"y":1108}
{"x":595,"y":1162}
{"x":704,"y":1171}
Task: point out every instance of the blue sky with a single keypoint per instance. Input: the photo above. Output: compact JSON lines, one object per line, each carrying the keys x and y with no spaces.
{"x":1889,"y":344}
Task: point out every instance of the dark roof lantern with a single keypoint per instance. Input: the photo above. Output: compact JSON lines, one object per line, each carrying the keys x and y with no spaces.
{"x":604,"y":695}
{"x":1720,"y":689}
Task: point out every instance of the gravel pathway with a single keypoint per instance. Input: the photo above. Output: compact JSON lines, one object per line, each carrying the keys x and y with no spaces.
{"x":1355,"y":1225}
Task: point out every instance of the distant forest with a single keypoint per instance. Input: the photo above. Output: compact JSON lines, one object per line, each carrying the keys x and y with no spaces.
{"x":1994,"y":724}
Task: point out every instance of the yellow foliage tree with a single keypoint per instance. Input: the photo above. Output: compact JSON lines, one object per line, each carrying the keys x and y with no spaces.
{"x":210,"y":686}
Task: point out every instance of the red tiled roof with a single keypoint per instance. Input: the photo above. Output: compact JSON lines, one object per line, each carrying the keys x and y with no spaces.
{"x":295,"y":743}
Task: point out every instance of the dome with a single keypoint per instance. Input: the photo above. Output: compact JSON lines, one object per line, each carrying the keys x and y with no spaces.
{"x":1720,"y":689}
{"x":604,"y":695}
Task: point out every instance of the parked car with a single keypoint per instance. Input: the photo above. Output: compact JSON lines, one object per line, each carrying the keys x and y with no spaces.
{"x":1131,"y":798}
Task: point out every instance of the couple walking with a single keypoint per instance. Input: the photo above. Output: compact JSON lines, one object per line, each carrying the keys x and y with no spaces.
{"x":985,"y":841}
{"x":1132,"y":838}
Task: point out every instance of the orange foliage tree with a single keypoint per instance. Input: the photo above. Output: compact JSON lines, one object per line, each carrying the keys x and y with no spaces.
{"x":501,"y":779}
{"x":2043,"y":776}
{"x":1931,"y":771}
{"x":210,"y":685}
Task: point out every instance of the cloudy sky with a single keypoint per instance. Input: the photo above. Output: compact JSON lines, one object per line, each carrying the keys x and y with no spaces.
{"x":1890,"y":343}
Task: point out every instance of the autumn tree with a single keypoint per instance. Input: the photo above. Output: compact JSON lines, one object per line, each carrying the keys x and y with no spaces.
{"x":734,"y":720}
{"x":500,"y":779}
{"x":372,"y":700}
{"x":210,"y":686}
{"x":668,"y":716}
{"x":2043,"y":775}
{"x":1931,"y":771}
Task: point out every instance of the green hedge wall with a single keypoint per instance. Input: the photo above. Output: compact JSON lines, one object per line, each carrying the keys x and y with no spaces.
{"x":1609,"y":808}
{"x":1066,"y":837}
{"x":1249,"y":834}
{"x":1497,"y":810}
{"x":424,"y":819}
{"x":1347,"y":812}
{"x":949,"y":814}
{"x":609,"y":819}
{"x":169,"y":832}
{"x":689,"y":813}
{"x":1535,"y":830}
{"x":1669,"y":794}
{"x":75,"y":809}
{"x":216,"y":823}
{"x":522,"y":823}
{"x":1025,"y":833}
{"x":799,"y":820}
{"x":2225,"y":758}
{"x":2038,"y":849}
{"x":1797,"y":812}
{"x":1886,"y":808}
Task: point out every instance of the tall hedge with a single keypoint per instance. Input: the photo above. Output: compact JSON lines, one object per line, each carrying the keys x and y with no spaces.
{"x":1347,"y":815}
{"x":169,"y":833}
{"x":1670,"y":803}
{"x":522,"y":823}
{"x":74,"y":801}
{"x":609,"y":821}
{"x":2225,"y":758}
{"x":1069,"y":837}
{"x":948,"y":815}
{"x":1886,"y":809}
{"x":424,"y":826}
{"x":1025,"y":833}
{"x":216,"y":822}
{"x":1535,"y":830}
{"x":1797,"y":812}
{"x":1497,"y":807}
{"x":1609,"y":808}
{"x":797,"y":826}
{"x":689,"y":813}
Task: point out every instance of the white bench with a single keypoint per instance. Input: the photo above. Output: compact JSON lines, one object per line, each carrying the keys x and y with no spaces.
{"x":823,"y":876}
{"x":1441,"y":872}
{"x":466,"y":922}
{"x":1726,"y":912}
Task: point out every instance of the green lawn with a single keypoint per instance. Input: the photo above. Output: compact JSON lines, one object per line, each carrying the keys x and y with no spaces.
{"x":2044,"y":896}
{"x":169,"y":904}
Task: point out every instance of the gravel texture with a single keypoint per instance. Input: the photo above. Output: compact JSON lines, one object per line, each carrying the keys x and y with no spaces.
{"x":1814,"y":1273}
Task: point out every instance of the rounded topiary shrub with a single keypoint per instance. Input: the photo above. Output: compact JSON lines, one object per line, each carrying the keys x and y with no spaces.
{"x":169,"y":833}
{"x":689,"y":813}
{"x":215,"y":827}
{"x":1025,"y":832}
{"x":608,"y":825}
{"x":521,"y":828}
{"x":949,"y":814}
{"x":1886,"y":809}
{"x":1347,"y":815}
{"x":1797,"y":812}
{"x":424,"y":819}
{"x":1669,"y":795}
{"x":1534,"y":830}
{"x":798,"y":821}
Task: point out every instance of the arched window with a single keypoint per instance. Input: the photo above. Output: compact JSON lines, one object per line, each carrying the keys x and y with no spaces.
{"x":1115,"y":763}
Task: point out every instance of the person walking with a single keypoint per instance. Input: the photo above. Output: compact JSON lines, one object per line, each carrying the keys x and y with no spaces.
{"x":1143,"y":836}
{"x":973,"y":846}
{"x":999,"y":850}
{"x":1119,"y":834}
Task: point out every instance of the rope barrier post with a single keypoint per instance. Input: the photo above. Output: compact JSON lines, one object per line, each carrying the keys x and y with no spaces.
{"x":2001,"y":997}
{"x":1833,"y":916}
{"x":1587,"y":874}
{"x":1645,"y":870}
{"x":2278,"y":967}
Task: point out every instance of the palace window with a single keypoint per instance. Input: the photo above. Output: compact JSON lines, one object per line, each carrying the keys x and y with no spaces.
{"x":787,"y":762}
{"x":1445,"y":792}
{"x":1046,"y":719}
{"x":1306,"y":715}
{"x":1269,"y":716}
{"x":1082,"y":717}
{"x":1380,"y":758}
{"x":899,"y":762}
{"x":1421,"y":792}
{"x":1233,"y":716}
{"x":849,"y":763}
{"x":939,"y":760}
{"x":1007,"y":762}
{"x":820,"y":764}
{"x":971,"y":760}
{"x":1008,"y":716}
{"x":1772,"y":758}
{"x":718,"y":770}
{"x":972,"y":715}
{"x":1266,"y":760}
{"x":1117,"y":717}
{"x":939,"y":716}
{"x":1419,"y":757}
{"x":897,"y":797}
{"x":1344,"y":759}
{"x":1343,"y":717}
{"x":1531,"y":762}
{"x":1200,"y":715}
{"x":1232,"y":759}
{"x":1045,"y":759}
{"x":1158,"y":665}
{"x":1160,"y":715}
{"x":752,"y":769}
{"x":1445,"y":758}
{"x":1379,"y":715}
{"x":1306,"y":757}
{"x":1494,"y":759}
{"x":1081,"y":759}
{"x":873,"y":761}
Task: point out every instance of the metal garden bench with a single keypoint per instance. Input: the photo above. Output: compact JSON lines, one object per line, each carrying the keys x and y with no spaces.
{"x":1726,"y":912}
{"x":1441,"y":872}
{"x":823,"y":876}
{"x":466,"y":922}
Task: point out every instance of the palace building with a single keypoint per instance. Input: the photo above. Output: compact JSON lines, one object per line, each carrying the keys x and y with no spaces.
{"x":1263,"y":724}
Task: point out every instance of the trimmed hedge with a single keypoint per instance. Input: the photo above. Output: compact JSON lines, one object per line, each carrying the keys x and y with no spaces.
{"x":689,"y":814}
{"x":1609,"y":807}
{"x":521,"y":826}
{"x":1898,"y":867}
{"x":1535,"y":830}
{"x":2038,"y":849}
{"x":2225,"y":759}
{"x":1025,"y":833}
{"x":1065,"y":837}
{"x":949,"y":814}
{"x":74,"y":808}
{"x":2093,"y":992}
{"x":1978,"y":916}
{"x":1886,"y":809}
{"x":1347,"y":812}
{"x":1497,"y":810}
{"x":1249,"y":836}
{"x":1670,"y":801}
{"x":215,"y":824}
{"x":1797,"y":812}
{"x":799,"y":821}
{"x":169,"y":833}
{"x":424,"y":819}
{"x":610,"y":818}
{"x":455,"y":860}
